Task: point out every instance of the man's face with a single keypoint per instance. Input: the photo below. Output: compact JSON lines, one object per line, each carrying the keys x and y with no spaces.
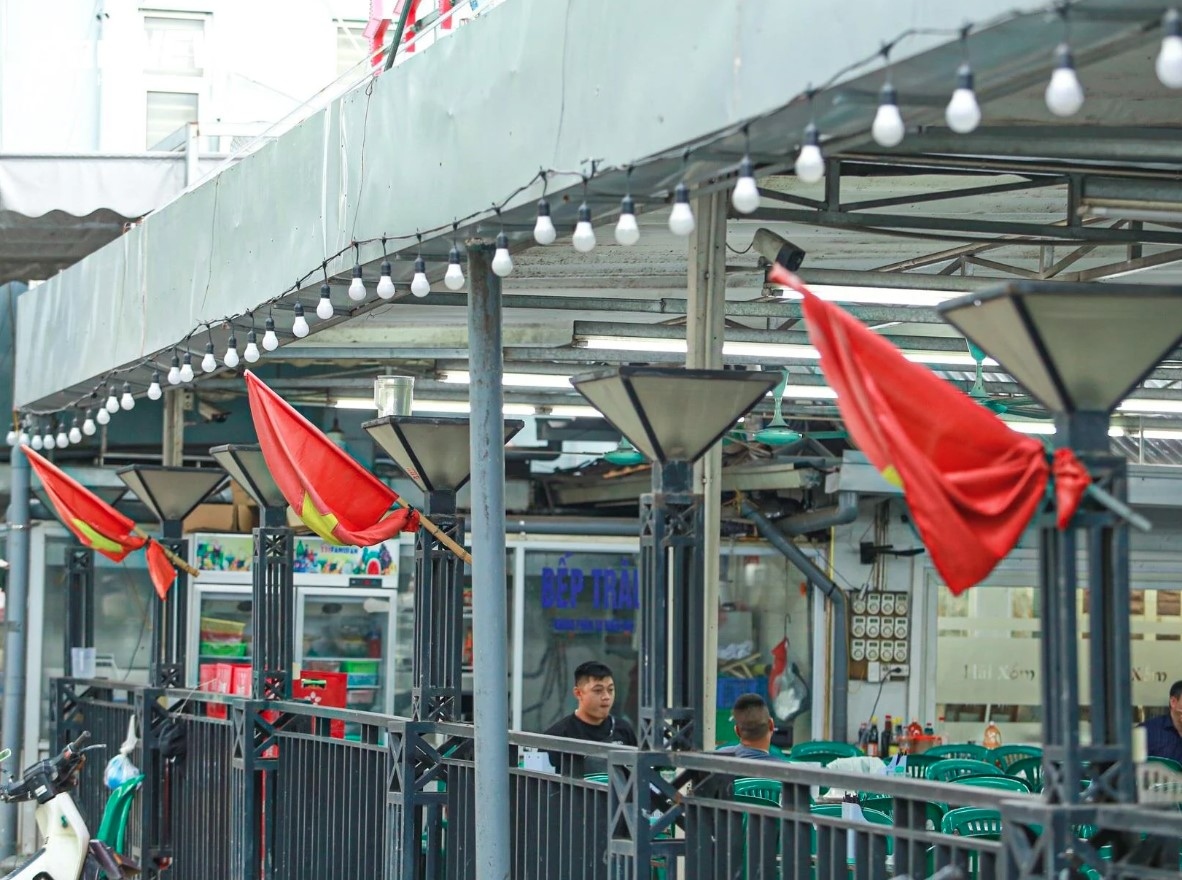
{"x":596,"y":696}
{"x":1176,"y":709}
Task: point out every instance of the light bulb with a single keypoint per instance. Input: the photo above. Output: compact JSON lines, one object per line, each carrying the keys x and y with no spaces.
{"x":127,"y":401}
{"x":23,"y":439}
{"x":963,"y":113}
{"x":324,"y":307}
{"x":887,"y":128}
{"x":386,"y":283}
{"x":502,"y":262}
{"x":12,"y":437}
{"x":251,"y":353}
{"x":681,"y":218}
{"x":154,"y":392}
{"x":810,"y":164}
{"x":102,"y":417}
{"x":419,"y":285}
{"x":1064,"y":94}
{"x":270,"y":339}
{"x":454,"y":276}
{"x":299,"y":327}
{"x":627,"y":232}
{"x":231,"y":359}
{"x":174,"y":371}
{"x":544,"y":231}
{"x":75,"y":432}
{"x":209,"y":363}
{"x":88,"y":427}
{"x":1169,"y":59}
{"x":36,"y":441}
{"x":356,"y":287}
{"x":745,"y":198}
{"x":187,"y":368}
{"x":62,"y":438}
{"x":47,"y":441}
{"x":584,"y":237}
{"x":112,"y":403}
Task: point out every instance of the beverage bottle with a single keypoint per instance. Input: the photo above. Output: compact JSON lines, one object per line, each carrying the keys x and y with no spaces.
{"x":872,"y":738}
{"x":928,"y":730}
{"x":862,"y":731}
{"x":897,"y":741}
{"x":884,"y":742}
{"x":992,"y":737}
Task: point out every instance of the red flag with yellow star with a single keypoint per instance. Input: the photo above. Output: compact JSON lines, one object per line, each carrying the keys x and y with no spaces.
{"x":331,"y":493}
{"x":972,"y":483}
{"x":96,"y":523}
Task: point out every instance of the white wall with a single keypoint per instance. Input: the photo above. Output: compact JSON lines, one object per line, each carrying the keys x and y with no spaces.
{"x":72,"y":73}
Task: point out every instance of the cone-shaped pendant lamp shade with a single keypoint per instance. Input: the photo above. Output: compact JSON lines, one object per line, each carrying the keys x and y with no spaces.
{"x":434,"y":452}
{"x":171,"y":493}
{"x":247,"y":467}
{"x":1074,"y":347}
{"x":672,"y":414}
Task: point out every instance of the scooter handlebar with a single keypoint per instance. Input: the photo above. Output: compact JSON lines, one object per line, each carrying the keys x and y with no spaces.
{"x":75,"y":748}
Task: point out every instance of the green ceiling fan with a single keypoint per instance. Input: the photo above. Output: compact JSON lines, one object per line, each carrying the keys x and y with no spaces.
{"x":776,"y":432}
{"x":624,"y":455}
{"x":1021,"y":406}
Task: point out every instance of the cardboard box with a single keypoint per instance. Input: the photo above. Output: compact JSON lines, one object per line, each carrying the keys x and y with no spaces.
{"x":212,"y":518}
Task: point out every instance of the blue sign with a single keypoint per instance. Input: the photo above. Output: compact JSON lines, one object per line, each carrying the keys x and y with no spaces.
{"x":599,"y":589}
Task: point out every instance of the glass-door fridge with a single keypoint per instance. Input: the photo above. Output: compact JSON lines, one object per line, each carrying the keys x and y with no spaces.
{"x":345,"y":607}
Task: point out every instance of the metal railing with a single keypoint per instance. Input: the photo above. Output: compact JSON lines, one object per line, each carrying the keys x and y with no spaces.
{"x":291,"y":790}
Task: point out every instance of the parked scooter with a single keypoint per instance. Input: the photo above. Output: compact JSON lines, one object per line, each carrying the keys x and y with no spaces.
{"x":67,"y":852}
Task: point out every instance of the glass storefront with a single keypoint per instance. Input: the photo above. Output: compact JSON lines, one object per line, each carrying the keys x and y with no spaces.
{"x":987,"y":647}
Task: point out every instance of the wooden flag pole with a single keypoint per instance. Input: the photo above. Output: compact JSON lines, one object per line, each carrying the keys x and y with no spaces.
{"x":444,"y":539}
{"x":172,"y":557}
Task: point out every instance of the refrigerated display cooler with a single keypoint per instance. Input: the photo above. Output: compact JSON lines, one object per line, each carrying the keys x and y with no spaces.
{"x":345,"y":612}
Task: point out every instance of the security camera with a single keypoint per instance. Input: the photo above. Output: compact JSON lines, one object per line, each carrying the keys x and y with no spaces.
{"x":777,"y":249}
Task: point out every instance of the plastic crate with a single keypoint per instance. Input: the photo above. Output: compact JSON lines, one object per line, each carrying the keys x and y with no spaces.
{"x":730,"y":689}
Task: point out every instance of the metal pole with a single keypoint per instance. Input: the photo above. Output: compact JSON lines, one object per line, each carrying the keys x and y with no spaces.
{"x":14,"y":641}
{"x":172,"y":453}
{"x":706,"y":311}
{"x":489,"y":606}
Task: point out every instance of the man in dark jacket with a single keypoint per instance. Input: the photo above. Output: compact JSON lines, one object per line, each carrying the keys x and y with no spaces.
{"x":1163,"y":734}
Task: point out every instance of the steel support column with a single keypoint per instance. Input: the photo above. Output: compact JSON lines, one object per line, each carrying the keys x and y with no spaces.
{"x":489,"y":605}
{"x":169,"y":617}
{"x":439,"y":615}
{"x":704,"y":334}
{"x":15,"y":611}
{"x":79,"y":602}
{"x":1104,"y":767}
{"x":272,"y":611}
{"x":672,"y":594}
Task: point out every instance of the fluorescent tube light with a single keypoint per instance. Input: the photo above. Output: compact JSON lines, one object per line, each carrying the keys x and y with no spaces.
{"x":1149,"y":405}
{"x":512,"y":380}
{"x":882,"y":296}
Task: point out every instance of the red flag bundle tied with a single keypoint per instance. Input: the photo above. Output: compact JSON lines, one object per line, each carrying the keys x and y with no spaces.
{"x":96,"y":523}
{"x":331,"y":493}
{"x":971,"y":482}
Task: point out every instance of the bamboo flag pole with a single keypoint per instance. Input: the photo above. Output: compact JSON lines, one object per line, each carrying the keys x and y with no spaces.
{"x":172,"y":557}
{"x":444,"y":539}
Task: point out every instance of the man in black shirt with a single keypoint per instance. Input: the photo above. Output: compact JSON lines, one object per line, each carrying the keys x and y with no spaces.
{"x":595,"y":691}
{"x":1163,"y":734}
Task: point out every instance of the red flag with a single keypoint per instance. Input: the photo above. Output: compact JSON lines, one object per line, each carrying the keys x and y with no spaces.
{"x":335,"y":497}
{"x":971,"y":482}
{"x":96,"y":523}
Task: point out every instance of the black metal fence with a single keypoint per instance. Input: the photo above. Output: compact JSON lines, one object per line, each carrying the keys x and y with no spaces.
{"x":290,"y":790}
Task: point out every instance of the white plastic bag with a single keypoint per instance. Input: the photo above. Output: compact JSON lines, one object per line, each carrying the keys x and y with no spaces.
{"x":120,"y":768}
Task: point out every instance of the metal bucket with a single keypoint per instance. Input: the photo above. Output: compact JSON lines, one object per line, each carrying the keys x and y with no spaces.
{"x":393,"y":395}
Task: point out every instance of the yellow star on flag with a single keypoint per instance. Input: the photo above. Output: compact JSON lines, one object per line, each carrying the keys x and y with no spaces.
{"x":892,"y":476}
{"x":97,"y":540}
{"x":322,"y":524}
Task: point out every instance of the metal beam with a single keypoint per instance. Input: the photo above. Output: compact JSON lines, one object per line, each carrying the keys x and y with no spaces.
{"x":942,"y":225}
{"x":955,"y":193}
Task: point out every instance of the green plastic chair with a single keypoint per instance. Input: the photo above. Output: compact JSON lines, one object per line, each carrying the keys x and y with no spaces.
{"x":917,"y":765}
{"x":597,"y":778}
{"x":1166,"y":762}
{"x":972,"y":822}
{"x":765,"y":791}
{"x":113,"y":828}
{"x":1004,"y":756}
{"x":874,"y":817}
{"x":884,"y":803}
{"x":1005,"y":783}
{"x":1028,"y":770}
{"x":822,"y":751}
{"x":964,"y":751}
{"x":949,"y":769}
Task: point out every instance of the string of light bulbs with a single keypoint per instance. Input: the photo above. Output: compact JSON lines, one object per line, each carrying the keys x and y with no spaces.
{"x":1064,"y":97}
